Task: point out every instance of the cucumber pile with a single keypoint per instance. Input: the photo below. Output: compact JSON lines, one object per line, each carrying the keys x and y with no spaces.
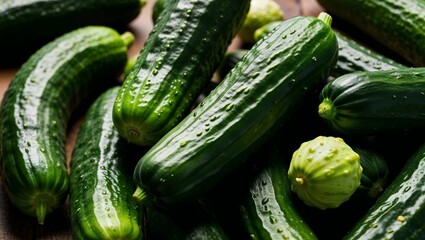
{"x":299,"y":130}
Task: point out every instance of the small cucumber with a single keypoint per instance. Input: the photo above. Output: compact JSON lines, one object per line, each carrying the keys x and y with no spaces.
{"x":179,"y":57}
{"x":325,"y":172}
{"x":399,"y":213}
{"x":38,"y":104}
{"x":242,"y":112}
{"x":101,"y":206}
{"x":367,"y":103}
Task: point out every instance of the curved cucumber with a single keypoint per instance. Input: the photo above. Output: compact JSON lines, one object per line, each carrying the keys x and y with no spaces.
{"x":253,"y":100}
{"x":38,"y":104}
{"x":375,"y":102}
{"x":179,"y":58}
{"x":101,"y":206}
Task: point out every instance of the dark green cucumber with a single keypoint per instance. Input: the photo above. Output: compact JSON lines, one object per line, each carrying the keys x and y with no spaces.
{"x":245,"y":109}
{"x":375,"y":175}
{"x":181,"y":54}
{"x":375,"y":102}
{"x":101,"y":206}
{"x":399,"y":213}
{"x":352,"y":55}
{"x":157,"y":9}
{"x":397,"y":25}
{"x":267,"y":210}
{"x":38,"y":104}
{"x":190,"y":222}
{"x":26,"y":25}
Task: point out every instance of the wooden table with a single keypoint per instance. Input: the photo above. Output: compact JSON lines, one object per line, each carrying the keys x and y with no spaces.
{"x":14,"y":224}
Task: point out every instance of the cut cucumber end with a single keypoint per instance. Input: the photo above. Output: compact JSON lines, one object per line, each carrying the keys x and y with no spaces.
{"x":325,"y":17}
{"x":140,"y":195}
{"x":128,"y":38}
{"x":326,"y":109}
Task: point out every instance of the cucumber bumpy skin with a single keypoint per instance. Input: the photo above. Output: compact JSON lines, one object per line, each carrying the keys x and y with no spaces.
{"x":180,"y":56}
{"x":36,"y":108}
{"x":260,"y":93}
{"x":325,"y":172}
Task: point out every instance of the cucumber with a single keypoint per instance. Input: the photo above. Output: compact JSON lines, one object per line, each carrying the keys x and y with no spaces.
{"x":254,"y":99}
{"x":178,"y":58}
{"x":397,"y":25}
{"x":399,"y":212}
{"x":28,"y":25}
{"x":39,"y":102}
{"x":190,"y":222}
{"x":325,"y":172}
{"x":101,"y":206}
{"x":267,"y":209}
{"x":352,"y":55}
{"x":375,"y":175}
{"x":367,"y":103}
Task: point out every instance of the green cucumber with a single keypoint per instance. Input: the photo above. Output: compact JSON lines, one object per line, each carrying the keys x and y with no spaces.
{"x":325,"y":172}
{"x":352,"y":55}
{"x":399,"y":213}
{"x":27,"y":25}
{"x":375,"y":175}
{"x":190,"y":222}
{"x":179,"y":57}
{"x":267,"y":210}
{"x":38,"y":104}
{"x":101,"y":206}
{"x":243,"y":111}
{"x":367,"y":103}
{"x":397,"y":25}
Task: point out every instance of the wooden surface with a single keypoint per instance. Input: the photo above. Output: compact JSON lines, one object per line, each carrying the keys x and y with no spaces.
{"x":15,"y":225}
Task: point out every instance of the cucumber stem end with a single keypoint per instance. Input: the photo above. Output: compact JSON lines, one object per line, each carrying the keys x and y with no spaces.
{"x":326,"y":109}
{"x":128,"y":38}
{"x":325,"y":17}
{"x":40,"y":212}
{"x":140,"y":195}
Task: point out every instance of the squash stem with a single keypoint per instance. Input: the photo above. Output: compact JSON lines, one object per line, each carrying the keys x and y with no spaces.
{"x":327,"y":109}
{"x":325,"y":17}
{"x":139,"y":195}
{"x":128,"y":38}
{"x":40,"y":211}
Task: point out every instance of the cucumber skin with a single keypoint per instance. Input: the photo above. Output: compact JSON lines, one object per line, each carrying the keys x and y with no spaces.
{"x":101,"y":206}
{"x":267,"y":210}
{"x":28,"y":21}
{"x":403,"y":197}
{"x":181,"y":54}
{"x":352,"y":56}
{"x":395,"y":24}
{"x":367,"y":103}
{"x":252,"y":101}
{"x":37,"y":105}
